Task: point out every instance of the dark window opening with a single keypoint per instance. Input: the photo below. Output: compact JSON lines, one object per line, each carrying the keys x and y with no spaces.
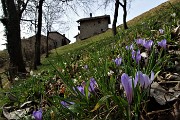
{"x":55,"y":45}
{"x":64,"y":42}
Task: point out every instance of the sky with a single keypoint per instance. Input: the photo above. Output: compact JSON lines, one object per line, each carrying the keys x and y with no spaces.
{"x":137,"y":7}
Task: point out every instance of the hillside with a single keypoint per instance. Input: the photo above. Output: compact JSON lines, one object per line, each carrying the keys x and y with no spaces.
{"x":151,"y":14}
{"x":147,"y":16}
{"x":134,"y":75}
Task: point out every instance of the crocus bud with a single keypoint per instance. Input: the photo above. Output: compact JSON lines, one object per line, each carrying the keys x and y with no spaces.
{"x":118,"y":61}
{"x":162,"y":43}
{"x":127,"y":84}
{"x":37,"y":114}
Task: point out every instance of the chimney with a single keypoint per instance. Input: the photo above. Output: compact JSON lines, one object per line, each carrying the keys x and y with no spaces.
{"x":64,"y":35}
{"x":90,"y":15}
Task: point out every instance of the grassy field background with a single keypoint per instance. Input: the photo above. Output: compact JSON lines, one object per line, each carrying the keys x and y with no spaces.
{"x":67,"y":62}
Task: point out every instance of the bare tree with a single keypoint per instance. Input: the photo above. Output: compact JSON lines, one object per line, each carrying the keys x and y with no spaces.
{"x":115,"y":17}
{"x":56,"y":9}
{"x":37,"y":60}
{"x":31,"y":9}
{"x":124,"y":6}
{"x":52,"y":13}
{"x":11,"y":20}
{"x":47,"y":13}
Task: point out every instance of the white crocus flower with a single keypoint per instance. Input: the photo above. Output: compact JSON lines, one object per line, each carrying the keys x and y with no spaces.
{"x":31,"y":73}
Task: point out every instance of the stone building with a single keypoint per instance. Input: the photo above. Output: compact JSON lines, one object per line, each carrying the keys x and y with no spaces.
{"x":92,"y":26}
{"x":60,"y":40}
{"x":55,"y":40}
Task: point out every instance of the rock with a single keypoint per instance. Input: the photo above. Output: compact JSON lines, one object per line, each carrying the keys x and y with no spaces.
{"x":177,"y":87}
{"x":163,"y":96}
{"x":176,"y":32}
{"x":173,"y":47}
{"x":177,"y":67}
{"x":14,"y":113}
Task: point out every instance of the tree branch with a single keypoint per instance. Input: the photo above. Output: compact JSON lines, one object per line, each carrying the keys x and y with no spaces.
{"x":27,"y":20}
{"x":23,"y":8}
{"x":121,"y":4}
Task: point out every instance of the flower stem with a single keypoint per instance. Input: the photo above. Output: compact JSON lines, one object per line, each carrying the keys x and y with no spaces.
{"x":129,"y":112}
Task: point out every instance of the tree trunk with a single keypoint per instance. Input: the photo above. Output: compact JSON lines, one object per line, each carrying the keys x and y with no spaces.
{"x":125,"y":14}
{"x":37,"y":60}
{"x":47,"y":45}
{"x":115,"y":17}
{"x":12,"y":25}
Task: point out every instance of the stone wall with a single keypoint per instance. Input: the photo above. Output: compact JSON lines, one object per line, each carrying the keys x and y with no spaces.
{"x":92,"y":27}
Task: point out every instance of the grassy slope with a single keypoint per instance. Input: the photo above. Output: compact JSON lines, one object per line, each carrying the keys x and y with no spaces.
{"x":156,"y":14}
{"x":161,"y":9}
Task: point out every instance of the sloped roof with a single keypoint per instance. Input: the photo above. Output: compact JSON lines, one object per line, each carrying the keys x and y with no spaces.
{"x":76,"y":35}
{"x":43,"y":37}
{"x":60,"y":34}
{"x":95,"y":18}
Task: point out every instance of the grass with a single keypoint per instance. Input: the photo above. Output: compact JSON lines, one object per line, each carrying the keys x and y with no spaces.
{"x":64,"y":69}
{"x":147,"y":16}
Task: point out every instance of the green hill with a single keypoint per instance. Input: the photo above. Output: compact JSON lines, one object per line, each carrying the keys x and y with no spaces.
{"x":160,"y":14}
{"x":155,"y":19}
{"x":76,"y":65}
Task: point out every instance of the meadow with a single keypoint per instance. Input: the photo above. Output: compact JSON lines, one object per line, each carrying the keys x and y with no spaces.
{"x":104,"y":77}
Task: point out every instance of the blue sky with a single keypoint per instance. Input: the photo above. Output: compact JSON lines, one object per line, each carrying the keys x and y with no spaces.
{"x":137,"y":7}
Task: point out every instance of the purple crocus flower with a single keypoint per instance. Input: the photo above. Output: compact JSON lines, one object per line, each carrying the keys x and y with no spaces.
{"x":37,"y":114}
{"x":127,"y":47}
{"x":133,"y":54}
{"x":147,"y":80}
{"x":130,"y":47}
{"x":148,"y":44}
{"x":162,"y":43}
{"x":161,"y":31}
{"x":86,"y":67}
{"x":66,"y":104}
{"x":140,"y":41}
{"x":127,"y":84}
{"x":92,"y":84}
{"x":143,"y":79}
{"x":118,"y":61}
{"x":139,"y":78}
{"x":136,"y":55}
{"x":81,"y":89}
